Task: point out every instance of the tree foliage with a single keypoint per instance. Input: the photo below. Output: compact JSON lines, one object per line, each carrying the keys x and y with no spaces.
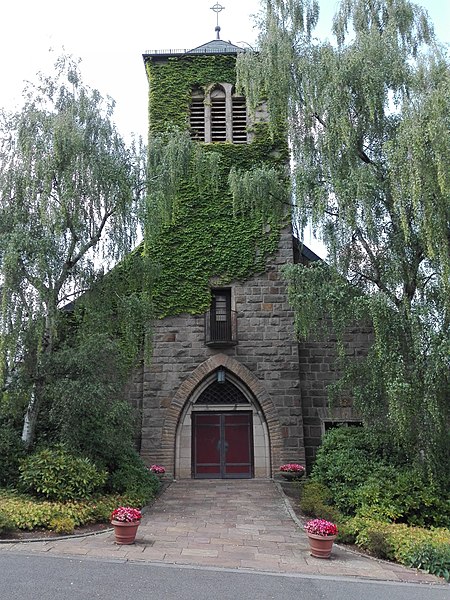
{"x":74,"y":198}
{"x":369,"y":126}
{"x":68,"y":192}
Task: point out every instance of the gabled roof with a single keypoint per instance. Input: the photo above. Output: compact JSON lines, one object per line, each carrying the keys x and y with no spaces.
{"x":216,"y":47}
{"x":213,"y":47}
{"x":303,"y":254}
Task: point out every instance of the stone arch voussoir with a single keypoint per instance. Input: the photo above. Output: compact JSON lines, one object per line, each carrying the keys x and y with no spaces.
{"x":254,"y":385}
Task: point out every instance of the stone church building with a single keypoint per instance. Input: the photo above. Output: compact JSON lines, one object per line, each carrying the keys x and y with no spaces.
{"x":229,"y":392}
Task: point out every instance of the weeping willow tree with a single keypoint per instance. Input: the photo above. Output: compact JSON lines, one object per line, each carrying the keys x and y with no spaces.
{"x":369,"y":124}
{"x":172,"y":158}
{"x":74,"y":201}
{"x":69,"y":187}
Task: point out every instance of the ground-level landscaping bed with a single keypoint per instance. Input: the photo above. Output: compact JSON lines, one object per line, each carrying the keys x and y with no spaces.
{"x":417,"y":547}
{"x":23,"y":516}
{"x":411,"y":546}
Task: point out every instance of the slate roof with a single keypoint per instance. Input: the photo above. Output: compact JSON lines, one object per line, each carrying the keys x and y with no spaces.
{"x":216,"y":46}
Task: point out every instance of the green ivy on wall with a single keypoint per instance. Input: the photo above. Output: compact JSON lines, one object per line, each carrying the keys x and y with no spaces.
{"x":171,"y":83}
{"x":119,"y":306}
{"x":205,"y":243}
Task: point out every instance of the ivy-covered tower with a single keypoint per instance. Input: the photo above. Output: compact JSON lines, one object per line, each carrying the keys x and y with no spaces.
{"x":221,"y":396}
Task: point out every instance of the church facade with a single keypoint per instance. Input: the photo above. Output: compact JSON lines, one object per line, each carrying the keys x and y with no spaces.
{"x":229,"y":392}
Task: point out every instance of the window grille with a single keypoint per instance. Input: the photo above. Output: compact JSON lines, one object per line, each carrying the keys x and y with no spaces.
{"x":221,"y":316}
{"x":221,"y":321}
{"x":222,"y":393}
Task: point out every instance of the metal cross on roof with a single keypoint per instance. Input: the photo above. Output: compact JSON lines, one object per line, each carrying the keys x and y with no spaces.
{"x":217,"y":8}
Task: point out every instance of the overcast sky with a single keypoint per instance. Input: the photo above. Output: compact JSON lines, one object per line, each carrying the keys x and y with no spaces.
{"x":110,"y":38}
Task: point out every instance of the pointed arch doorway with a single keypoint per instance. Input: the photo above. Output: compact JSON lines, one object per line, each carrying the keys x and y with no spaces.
{"x":222,"y":433}
{"x":222,"y":440}
{"x":222,"y":446}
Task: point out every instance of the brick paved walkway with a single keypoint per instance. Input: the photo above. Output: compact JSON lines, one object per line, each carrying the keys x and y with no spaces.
{"x":244,"y":524}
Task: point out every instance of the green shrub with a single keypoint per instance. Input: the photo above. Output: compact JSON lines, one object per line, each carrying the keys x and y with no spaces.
{"x":405,"y":540}
{"x":6,"y":523}
{"x":374,"y":539}
{"x":12,"y":451}
{"x":57,"y":474}
{"x":427,"y":549}
{"x":62,"y":524}
{"x":314,"y":493}
{"x":365,"y":477}
{"x":419,"y":547}
{"x":343,"y":462}
{"x":84,"y":406}
{"x":402,"y":496}
{"x":133,"y":477}
{"x":315,"y":501}
{"x":346,"y":533}
{"x":433,"y":559}
{"x":26,"y":512}
{"x":357,"y":530}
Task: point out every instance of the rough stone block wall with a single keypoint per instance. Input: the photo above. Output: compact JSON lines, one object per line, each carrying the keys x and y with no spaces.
{"x":317,"y":372}
{"x":295,"y":376}
{"x":266,"y":346}
{"x":133,"y":393}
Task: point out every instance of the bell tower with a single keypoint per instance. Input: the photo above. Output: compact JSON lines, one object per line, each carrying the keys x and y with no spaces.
{"x":221,"y":397}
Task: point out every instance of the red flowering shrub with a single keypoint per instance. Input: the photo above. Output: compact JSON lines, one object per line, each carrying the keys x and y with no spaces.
{"x":292,"y":468}
{"x":126,"y":514}
{"x":157,"y":469}
{"x":321,"y":527}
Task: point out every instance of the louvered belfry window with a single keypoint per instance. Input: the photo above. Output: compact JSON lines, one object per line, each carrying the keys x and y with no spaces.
{"x":239,"y":120}
{"x":218,"y":115}
{"x":197,"y":115}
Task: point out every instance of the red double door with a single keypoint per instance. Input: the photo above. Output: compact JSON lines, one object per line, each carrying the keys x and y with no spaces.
{"x":222,"y":445}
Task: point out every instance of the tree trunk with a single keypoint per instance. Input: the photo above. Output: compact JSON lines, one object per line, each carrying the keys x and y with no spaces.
{"x":30,"y":420}
{"x":32,"y":412}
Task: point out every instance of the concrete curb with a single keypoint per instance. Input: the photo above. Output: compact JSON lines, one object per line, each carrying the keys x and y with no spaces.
{"x":57,"y":538}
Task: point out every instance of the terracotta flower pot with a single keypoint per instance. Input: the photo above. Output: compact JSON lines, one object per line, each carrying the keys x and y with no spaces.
{"x":292,"y":475}
{"x":125,"y":532}
{"x":320,"y":545}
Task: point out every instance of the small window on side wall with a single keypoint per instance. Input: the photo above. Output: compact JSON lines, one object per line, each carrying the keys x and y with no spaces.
{"x":329,"y":424}
{"x":239,"y":114}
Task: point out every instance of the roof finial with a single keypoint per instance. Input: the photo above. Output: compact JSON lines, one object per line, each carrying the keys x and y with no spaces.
{"x":217,"y":8}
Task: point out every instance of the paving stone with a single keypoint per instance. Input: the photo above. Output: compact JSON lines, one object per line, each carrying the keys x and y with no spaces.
{"x":260,"y":565}
{"x":151,"y":553}
{"x":199,"y":552}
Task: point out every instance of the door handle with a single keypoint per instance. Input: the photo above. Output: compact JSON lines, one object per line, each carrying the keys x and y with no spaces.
{"x":225,"y":446}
